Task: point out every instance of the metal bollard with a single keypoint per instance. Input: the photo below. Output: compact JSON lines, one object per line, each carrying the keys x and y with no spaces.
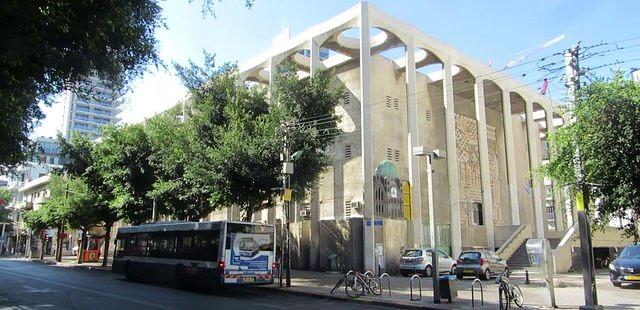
{"x":388,"y":282}
{"x":419,"y":286}
{"x":473,"y":301}
{"x":526,"y":277}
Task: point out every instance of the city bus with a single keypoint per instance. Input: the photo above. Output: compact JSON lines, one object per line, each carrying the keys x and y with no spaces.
{"x":197,"y":253}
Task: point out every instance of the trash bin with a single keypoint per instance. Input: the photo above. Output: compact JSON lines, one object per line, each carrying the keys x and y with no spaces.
{"x":448,"y":287}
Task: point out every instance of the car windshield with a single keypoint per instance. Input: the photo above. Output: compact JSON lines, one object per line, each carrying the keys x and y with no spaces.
{"x":631,"y":252}
{"x":470,"y":256}
{"x":412,"y":253}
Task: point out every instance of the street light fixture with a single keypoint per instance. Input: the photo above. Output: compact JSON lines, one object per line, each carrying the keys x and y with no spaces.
{"x":435,"y":274}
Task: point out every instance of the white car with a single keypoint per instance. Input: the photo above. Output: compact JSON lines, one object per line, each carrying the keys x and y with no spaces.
{"x":419,"y":261}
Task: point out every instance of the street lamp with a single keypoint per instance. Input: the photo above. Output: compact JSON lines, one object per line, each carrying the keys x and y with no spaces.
{"x":435,"y":275}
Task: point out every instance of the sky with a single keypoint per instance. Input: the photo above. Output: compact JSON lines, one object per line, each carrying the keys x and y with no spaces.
{"x":490,"y":31}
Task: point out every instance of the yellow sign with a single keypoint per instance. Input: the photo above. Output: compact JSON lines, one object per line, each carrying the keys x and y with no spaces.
{"x":287,"y":194}
{"x":406,"y":199}
{"x":579,"y":202}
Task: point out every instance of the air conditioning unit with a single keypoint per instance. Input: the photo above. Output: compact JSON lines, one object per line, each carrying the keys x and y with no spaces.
{"x":304,"y":213}
{"x":356,"y":206}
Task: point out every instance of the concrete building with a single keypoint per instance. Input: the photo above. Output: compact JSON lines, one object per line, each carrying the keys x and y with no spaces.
{"x":96,"y":106}
{"x":47,"y":151}
{"x":492,"y":127}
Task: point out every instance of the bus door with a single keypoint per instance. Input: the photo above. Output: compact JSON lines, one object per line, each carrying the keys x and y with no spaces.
{"x":249,"y":254}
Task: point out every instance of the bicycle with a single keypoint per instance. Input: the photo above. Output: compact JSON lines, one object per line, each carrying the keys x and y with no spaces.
{"x":508,"y":292}
{"x":361,"y":284}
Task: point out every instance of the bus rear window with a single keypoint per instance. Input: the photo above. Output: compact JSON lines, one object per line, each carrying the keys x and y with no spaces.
{"x":244,"y":231}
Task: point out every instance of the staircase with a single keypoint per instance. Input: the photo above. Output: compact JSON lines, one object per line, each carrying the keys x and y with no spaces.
{"x":520,"y":259}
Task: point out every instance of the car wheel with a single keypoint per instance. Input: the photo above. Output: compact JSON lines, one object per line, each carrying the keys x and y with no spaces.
{"x":486,"y":275}
{"x":428,"y":271}
{"x":459,"y":276}
{"x":616,"y":284}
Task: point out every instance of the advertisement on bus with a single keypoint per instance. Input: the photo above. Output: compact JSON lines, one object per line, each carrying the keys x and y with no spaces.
{"x":249,"y":257}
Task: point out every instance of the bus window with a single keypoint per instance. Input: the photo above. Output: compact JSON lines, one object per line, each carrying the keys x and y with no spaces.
{"x":120,"y":243}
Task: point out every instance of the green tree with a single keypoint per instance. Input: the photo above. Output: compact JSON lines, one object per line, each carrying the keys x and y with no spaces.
{"x":122,"y":159}
{"x":51,"y":46}
{"x":607,"y":133}
{"x":39,"y":220}
{"x":5,"y":197}
{"x":236,"y":128}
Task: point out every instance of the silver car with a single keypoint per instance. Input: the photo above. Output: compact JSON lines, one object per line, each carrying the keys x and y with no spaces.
{"x":481,"y":264}
{"x":419,"y":261}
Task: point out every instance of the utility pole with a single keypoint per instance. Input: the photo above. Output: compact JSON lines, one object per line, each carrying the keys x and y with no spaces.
{"x":572,"y":71}
{"x":287,"y":171}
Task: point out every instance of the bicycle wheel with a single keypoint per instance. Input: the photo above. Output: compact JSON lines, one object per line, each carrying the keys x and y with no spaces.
{"x":375,"y":286}
{"x":503,"y":298}
{"x":516,"y":295}
{"x":355,"y":289}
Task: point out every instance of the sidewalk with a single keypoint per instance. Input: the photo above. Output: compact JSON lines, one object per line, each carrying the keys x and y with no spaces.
{"x":71,"y":262}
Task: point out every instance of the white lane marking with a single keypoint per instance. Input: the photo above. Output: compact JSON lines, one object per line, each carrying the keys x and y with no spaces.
{"x":79,"y":288}
{"x":268,"y":305}
{"x":38,"y":290}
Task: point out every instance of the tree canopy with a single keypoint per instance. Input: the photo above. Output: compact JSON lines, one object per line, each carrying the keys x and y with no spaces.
{"x":607,"y":133}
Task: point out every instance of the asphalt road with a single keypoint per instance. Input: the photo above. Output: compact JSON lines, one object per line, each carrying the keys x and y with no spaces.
{"x":31,"y":285}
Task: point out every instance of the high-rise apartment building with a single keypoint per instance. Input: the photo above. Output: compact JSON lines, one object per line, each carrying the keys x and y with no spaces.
{"x":87,"y":111}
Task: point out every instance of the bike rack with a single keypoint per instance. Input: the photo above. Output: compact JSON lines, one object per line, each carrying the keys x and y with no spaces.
{"x":419,"y":286}
{"x":388,"y":282}
{"x":473,"y":284}
{"x":368,"y":272}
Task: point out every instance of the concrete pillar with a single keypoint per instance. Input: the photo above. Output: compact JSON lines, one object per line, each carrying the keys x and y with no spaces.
{"x":512,"y":179}
{"x":412,"y":140}
{"x":365,"y":128}
{"x":452,"y":158}
{"x":483,"y":150}
{"x":533,"y":139}
{"x":314,"y":52}
{"x":314,"y":206}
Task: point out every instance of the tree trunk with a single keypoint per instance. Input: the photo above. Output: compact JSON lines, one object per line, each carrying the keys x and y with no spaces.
{"x":82,"y":245}
{"x":59,"y":242}
{"x":107,"y":239}
{"x":42,"y":244}
{"x":248,"y":213}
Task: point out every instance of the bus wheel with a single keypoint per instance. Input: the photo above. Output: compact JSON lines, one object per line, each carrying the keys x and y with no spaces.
{"x":178,"y":275}
{"x":127,"y":272}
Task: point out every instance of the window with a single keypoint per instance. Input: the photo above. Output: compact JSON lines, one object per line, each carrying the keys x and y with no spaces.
{"x":476,"y":214}
{"x":347,"y":208}
{"x":347,"y":151}
{"x":389,"y":154}
{"x":428,"y":115}
{"x":396,"y":155}
{"x":346,"y":97}
{"x":395,"y":103}
{"x":388,"y":101}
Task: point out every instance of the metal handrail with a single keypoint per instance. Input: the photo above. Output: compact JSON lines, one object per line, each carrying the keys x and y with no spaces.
{"x":473,"y":284}
{"x":419,"y":286}
{"x":388,"y":281}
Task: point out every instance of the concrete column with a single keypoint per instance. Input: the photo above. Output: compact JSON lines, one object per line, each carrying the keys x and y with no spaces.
{"x":533,"y":139}
{"x":452,"y":158}
{"x":412,"y":140}
{"x":365,"y":128}
{"x":512,"y":179}
{"x":314,"y":51}
{"x":314,"y":206}
{"x":483,"y":150}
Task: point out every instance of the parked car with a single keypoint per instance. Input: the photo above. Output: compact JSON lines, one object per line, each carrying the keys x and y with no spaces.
{"x":419,"y":261}
{"x":481,"y":264}
{"x":626,"y":268}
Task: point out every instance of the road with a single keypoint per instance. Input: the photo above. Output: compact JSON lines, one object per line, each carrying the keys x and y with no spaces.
{"x":30,"y":285}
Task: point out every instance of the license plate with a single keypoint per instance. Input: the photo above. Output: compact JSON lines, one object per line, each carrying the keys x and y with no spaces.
{"x":468,"y":272}
{"x":633,"y":278}
{"x":248,"y":279}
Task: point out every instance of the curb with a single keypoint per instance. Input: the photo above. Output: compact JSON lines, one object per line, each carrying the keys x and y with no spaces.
{"x":354,"y":300}
{"x":74,"y":266}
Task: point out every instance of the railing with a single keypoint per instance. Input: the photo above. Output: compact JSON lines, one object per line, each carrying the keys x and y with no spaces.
{"x":473,"y":301}
{"x":514,"y":242}
{"x":419,"y":287}
{"x":382,"y":283}
{"x":562,"y":253}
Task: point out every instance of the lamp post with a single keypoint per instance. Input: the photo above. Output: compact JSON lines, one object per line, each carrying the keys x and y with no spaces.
{"x":435,"y":154}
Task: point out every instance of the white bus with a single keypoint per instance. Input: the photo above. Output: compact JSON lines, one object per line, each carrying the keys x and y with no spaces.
{"x":197,"y":253}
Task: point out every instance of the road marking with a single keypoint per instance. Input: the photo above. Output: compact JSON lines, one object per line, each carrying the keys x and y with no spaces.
{"x":269,"y":306}
{"x":37,"y":290}
{"x":79,"y":288}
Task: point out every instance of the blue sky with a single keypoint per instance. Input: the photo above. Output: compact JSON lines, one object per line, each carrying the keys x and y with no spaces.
{"x":485,"y":30}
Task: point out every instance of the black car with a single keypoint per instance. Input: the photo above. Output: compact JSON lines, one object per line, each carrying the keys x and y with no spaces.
{"x":626,"y":268}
